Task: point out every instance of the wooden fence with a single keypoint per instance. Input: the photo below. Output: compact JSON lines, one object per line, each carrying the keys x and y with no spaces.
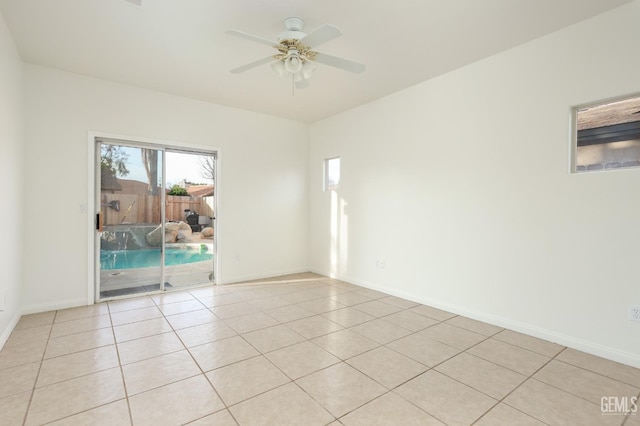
{"x":143,"y":208}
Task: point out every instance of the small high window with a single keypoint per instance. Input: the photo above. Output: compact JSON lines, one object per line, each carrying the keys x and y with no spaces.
{"x":607,"y":135}
{"x":332,"y":174}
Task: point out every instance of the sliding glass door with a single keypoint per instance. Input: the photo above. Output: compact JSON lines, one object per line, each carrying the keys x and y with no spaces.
{"x":190,"y":201}
{"x":155,"y":226}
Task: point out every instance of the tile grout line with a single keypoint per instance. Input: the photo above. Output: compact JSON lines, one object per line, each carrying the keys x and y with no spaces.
{"x":392,"y":390}
{"x":41,"y":361}
{"x":263,"y":355}
{"x":453,"y":356}
{"x":442,"y":362}
{"x":344,"y":360}
{"x":111,"y":326}
{"x":62,"y":381}
{"x":202,"y":373}
{"x":120,"y":366}
{"x":86,"y":350}
{"x":240,"y":334}
{"x":251,"y":299}
{"x":33,"y":389}
{"x":632,"y":413}
{"x":530,"y":377}
{"x":584,"y":369}
{"x":594,"y":372}
{"x":294,"y":381}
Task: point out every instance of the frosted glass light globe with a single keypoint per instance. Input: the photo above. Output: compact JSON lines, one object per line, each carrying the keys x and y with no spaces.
{"x":293,"y":64}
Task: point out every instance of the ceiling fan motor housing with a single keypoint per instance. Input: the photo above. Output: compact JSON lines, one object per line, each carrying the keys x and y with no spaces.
{"x":294,"y":24}
{"x":294,"y":29}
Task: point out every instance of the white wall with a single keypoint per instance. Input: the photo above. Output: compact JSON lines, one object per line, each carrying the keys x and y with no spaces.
{"x":462,"y":185}
{"x":262,"y":187}
{"x":11,"y":161}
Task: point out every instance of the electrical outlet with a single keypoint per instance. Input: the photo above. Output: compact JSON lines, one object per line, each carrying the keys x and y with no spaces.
{"x":380,"y":263}
{"x":634,"y":313}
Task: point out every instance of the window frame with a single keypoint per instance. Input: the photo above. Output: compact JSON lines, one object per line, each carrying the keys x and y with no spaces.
{"x":326,"y":184}
{"x":575,"y":137}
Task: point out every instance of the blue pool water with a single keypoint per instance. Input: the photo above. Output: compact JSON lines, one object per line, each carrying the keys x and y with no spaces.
{"x":145,"y":258}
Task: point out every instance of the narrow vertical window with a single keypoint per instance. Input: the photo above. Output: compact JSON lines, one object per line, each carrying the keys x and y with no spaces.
{"x":332,"y":174}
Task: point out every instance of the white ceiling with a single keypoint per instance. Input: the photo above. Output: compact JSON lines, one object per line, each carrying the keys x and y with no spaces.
{"x":180,"y":47}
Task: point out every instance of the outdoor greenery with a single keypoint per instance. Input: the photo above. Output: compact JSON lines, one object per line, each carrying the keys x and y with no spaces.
{"x":113,"y":159}
{"x":178,"y":190}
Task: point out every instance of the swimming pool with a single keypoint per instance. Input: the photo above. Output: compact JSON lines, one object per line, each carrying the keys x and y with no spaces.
{"x":145,"y":258}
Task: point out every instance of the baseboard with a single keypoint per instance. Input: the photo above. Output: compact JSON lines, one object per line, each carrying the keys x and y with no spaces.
{"x":9,"y":329}
{"x":258,"y":276}
{"x":569,"y":341}
{"x":44,"y":307}
{"x":623,"y":357}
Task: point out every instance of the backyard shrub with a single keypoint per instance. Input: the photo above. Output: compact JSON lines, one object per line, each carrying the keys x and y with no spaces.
{"x":178,"y":190}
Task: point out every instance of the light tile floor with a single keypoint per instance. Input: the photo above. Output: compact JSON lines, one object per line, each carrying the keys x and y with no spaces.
{"x":301,"y":352}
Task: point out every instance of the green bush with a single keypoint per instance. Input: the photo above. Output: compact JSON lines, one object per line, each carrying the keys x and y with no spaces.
{"x":178,"y":190}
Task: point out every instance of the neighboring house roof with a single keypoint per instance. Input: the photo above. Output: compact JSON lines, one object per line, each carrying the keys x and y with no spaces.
{"x":618,"y":112}
{"x":200,"y":190}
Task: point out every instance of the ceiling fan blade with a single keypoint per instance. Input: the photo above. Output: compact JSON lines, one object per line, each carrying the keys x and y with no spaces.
{"x":252,"y":37}
{"x":136,"y":2}
{"x":321,"y":35}
{"x":252,"y":65}
{"x":343,"y":64}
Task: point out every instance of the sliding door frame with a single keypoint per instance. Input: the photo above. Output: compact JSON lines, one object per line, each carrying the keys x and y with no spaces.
{"x":93,"y":240}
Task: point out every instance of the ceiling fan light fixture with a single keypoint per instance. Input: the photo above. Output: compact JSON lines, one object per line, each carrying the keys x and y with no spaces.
{"x":296,"y":56}
{"x":293,"y":63}
{"x":308,"y":68}
{"x":278,"y":67}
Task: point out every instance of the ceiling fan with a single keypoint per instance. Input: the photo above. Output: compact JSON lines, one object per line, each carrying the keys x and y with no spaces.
{"x":295,"y":56}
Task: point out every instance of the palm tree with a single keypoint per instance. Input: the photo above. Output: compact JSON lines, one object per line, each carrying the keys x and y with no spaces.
{"x":150,"y":162}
